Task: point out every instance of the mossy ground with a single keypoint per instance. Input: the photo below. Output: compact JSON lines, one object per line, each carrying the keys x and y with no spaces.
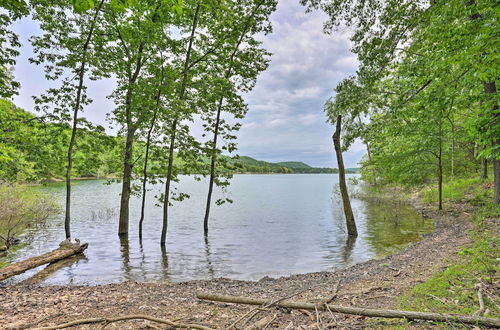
{"x":455,"y":289}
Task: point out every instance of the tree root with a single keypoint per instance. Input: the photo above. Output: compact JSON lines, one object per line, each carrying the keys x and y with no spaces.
{"x":475,"y":320}
{"x":124,"y":318}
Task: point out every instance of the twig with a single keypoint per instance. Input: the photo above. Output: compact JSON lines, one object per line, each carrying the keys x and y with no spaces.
{"x":334,"y":295}
{"x":269,"y":323}
{"x":124,"y":318}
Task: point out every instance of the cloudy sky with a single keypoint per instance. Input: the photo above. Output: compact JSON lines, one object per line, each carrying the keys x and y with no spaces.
{"x":286,"y":120}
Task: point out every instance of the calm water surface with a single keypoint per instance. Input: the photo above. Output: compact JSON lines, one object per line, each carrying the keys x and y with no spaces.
{"x":278,"y":225}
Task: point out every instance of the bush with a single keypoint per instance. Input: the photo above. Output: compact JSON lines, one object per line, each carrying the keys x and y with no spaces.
{"x":20,"y":209}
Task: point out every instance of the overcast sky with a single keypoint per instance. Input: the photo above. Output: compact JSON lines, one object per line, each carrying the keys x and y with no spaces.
{"x":286,"y":120}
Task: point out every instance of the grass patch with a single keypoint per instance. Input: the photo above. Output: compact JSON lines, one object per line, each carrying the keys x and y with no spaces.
{"x":455,"y":289}
{"x":458,"y":190}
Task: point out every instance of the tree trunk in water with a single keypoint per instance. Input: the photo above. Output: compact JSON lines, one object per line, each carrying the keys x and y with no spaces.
{"x":129,"y":148}
{"x":81,"y":74}
{"x":127,"y":178}
{"x":212,"y":167}
{"x":491,"y":88}
{"x":484,"y":166}
{"x":167,"y":184}
{"x":146,"y":156}
{"x":182,"y":91}
{"x":349,"y":217}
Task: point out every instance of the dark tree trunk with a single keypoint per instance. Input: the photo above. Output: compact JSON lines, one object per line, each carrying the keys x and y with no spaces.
{"x":126,"y":183}
{"x":217,"y":122}
{"x":349,"y":217}
{"x":166,"y":198}
{"x":128,"y":164}
{"x":81,"y":74}
{"x":484,"y":168}
{"x":146,"y":156}
{"x":490,"y":88}
{"x":440,"y":184}
{"x":212,"y":169}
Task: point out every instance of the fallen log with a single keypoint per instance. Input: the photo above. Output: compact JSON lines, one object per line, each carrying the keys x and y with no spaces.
{"x":52,"y":268}
{"x":386,"y":313}
{"x":66,"y":249}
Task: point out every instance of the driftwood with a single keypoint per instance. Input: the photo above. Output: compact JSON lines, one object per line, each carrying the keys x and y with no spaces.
{"x":66,"y":249}
{"x":386,"y":313}
{"x":124,"y":318}
{"x":52,"y":268}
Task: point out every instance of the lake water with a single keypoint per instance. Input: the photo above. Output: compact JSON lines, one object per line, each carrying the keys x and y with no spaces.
{"x":278,"y":225}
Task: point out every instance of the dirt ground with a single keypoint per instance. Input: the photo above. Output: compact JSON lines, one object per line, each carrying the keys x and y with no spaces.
{"x":375,"y":284}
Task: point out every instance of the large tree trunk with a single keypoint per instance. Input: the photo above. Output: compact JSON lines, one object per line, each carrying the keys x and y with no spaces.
{"x":166,"y":198}
{"x":349,"y":216}
{"x":491,"y":88}
{"x":81,"y":74}
{"x":126,"y":183}
{"x":386,"y":313}
{"x":65,"y":250}
{"x":128,"y":164}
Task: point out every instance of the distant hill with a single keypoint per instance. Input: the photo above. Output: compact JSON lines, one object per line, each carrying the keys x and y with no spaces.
{"x":245,"y":164}
{"x":295,"y":165}
{"x":352,"y":170}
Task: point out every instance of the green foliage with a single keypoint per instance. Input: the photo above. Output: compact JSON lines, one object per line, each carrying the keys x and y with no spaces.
{"x":33,"y":149}
{"x":21,"y":208}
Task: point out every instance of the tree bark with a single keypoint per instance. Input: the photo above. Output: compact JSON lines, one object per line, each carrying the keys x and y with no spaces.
{"x":129,"y":148}
{"x":166,"y":199}
{"x":349,"y":216}
{"x":217,"y":121}
{"x":146,"y":156}
{"x":484,"y":168}
{"x":386,"y":313}
{"x":81,"y":74}
{"x":65,"y":250}
{"x":491,"y":88}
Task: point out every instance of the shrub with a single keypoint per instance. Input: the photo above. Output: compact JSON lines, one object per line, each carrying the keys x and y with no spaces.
{"x":20,"y":209}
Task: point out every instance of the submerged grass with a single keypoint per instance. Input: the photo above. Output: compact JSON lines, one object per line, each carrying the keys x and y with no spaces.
{"x":455,"y":290}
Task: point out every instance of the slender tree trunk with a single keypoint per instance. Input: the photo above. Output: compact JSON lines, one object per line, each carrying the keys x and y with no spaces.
{"x":490,"y":88}
{"x":484,"y":166}
{"x":349,"y":216}
{"x":166,"y":199}
{"x":212,"y":167}
{"x":81,"y":74}
{"x":146,"y":156}
{"x":217,"y":121}
{"x":440,"y":184}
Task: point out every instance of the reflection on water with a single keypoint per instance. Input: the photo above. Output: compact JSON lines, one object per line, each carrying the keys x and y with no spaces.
{"x":278,"y":225}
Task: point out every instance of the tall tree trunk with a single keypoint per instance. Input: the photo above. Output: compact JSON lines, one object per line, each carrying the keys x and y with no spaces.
{"x":349,"y":216}
{"x":146,"y":156}
{"x":128,"y":165}
{"x":81,"y":74}
{"x":166,"y":199}
{"x":440,"y":184}
{"x":484,"y":166}
{"x":217,"y":120}
{"x":126,"y":183}
{"x":212,"y":168}
{"x":491,"y":88}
